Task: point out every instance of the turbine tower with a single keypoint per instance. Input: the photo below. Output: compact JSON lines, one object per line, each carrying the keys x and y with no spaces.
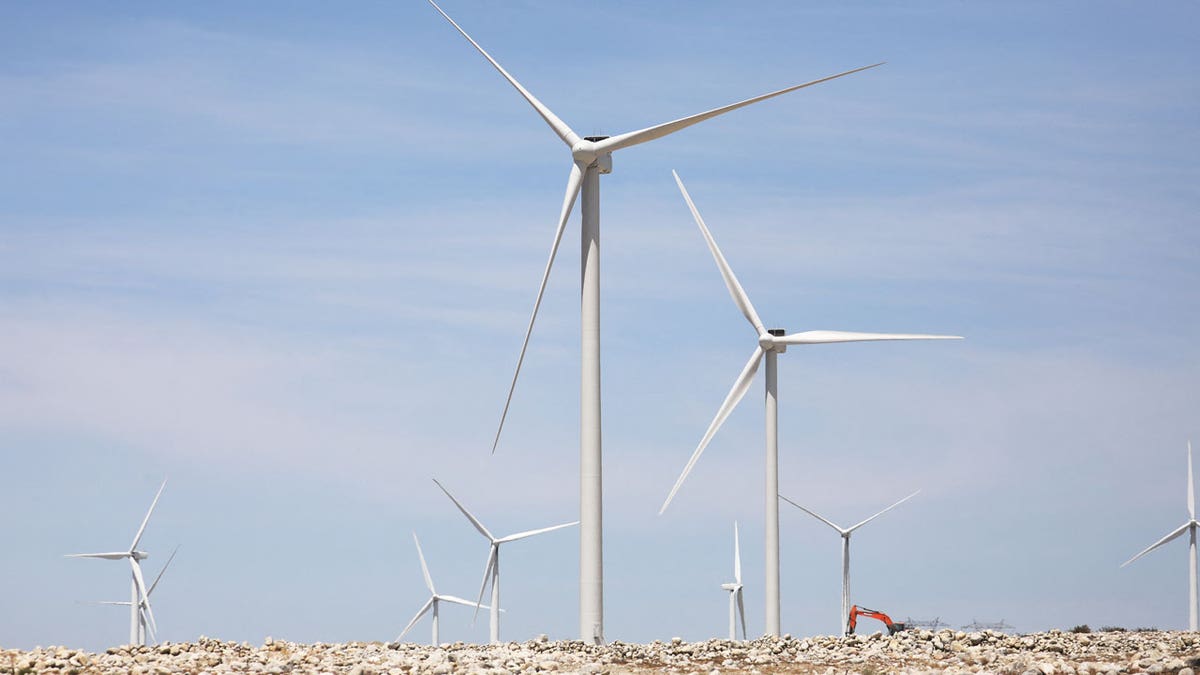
{"x":434,"y":599}
{"x":491,"y":571}
{"x":846,"y":532}
{"x":144,"y":606}
{"x":1189,"y":527}
{"x":139,"y":596}
{"x":735,"y":589}
{"x":591,"y":156}
{"x":771,"y":343}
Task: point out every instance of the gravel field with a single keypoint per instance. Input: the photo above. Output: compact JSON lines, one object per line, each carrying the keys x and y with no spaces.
{"x":916,"y":651}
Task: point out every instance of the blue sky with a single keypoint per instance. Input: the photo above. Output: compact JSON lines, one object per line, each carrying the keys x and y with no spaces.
{"x":284,"y":254}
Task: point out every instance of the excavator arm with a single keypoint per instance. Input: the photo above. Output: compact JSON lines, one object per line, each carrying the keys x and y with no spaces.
{"x":856,"y":611}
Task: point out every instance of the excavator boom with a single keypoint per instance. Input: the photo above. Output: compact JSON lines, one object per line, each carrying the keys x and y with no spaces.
{"x":856,"y":611}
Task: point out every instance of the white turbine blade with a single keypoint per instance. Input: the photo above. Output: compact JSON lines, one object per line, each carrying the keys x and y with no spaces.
{"x":141,"y":586}
{"x":737,"y":556}
{"x":1191,"y":486}
{"x":855,"y":527}
{"x":731,"y":282}
{"x":651,"y":133}
{"x":474,"y":521}
{"x":424,"y":608}
{"x":574,"y":181}
{"x":741,"y":611}
{"x":487,"y":575}
{"x":740,"y":386}
{"x":821,"y":337}
{"x":138,"y":537}
{"x":530,"y":533}
{"x":150,"y":628}
{"x":424,"y":568}
{"x":106,"y":556}
{"x":816,"y":515}
{"x":1175,"y":533}
{"x":460,"y":601}
{"x":564,"y":132}
{"x":162,"y":572}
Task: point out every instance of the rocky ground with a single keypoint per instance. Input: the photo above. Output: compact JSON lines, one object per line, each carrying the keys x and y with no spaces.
{"x":916,"y":651}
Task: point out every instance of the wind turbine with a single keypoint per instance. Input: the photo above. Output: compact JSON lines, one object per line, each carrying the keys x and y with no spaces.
{"x":846,"y":532}
{"x":771,"y":343}
{"x":144,"y":605}
{"x":591,"y":156}
{"x":491,"y":571}
{"x":432,"y":602}
{"x":138,"y":595}
{"x":1190,"y":527}
{"x":735,"y":589}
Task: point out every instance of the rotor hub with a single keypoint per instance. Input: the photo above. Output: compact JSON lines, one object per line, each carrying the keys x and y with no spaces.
{"x":768,"y":343}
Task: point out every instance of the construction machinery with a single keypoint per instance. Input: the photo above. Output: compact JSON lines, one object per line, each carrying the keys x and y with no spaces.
{"x":856,"y":611}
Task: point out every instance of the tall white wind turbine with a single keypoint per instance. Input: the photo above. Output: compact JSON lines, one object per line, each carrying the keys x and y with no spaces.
{"x":139,"y":596}
{"x":434,"y":599}
{"x":1189,"y":527}
{"x":144,"y":626}
{"x":491,"y":570}
{"x":735,"y":589}
{"x":846,"y":532}
{"x":591,"y":156}
{"x":771,"y":343}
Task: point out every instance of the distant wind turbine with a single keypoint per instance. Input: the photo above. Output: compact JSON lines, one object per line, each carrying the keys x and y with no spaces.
{"x":144,"y":606}
{"x":591,"y":156}
{"x":434,"y":599}
{"x":735,"y":589}
{"x":846,"y":532}
{"x":771,"y":343}
{"x":139,"y":594}
{"x":491,"y":571}
{"x":1189,"y":527}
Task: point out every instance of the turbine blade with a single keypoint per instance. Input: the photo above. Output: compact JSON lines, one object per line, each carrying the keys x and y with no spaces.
{"x":150,"y":628}
{"x":737,"y":556}
{"x":816,"y":515}
{"x":530,"y":533}
{"x":487,"y":574}
{"x":424,"y":608}
{"x":1175,"y":533}
{"x":474,"y":521}
{"x":145,"y":597}
{"x":460,"y":601}
{"x":564,"y":132}
{"x":741,"y":611}
{"x":1191,"y":486}
{"x":138,"y":537}
{"x":105,"y":602}
{"x":740,"y":386}
{"x":424,"y":567}
{"x":820,"y":337}
{"x":574,"y":182}
{"x":855,"y":527}
{"x":107,"y":556}
{"x":162,"y":571}
{"x":731,"y":281}
{"x":651,"y":133}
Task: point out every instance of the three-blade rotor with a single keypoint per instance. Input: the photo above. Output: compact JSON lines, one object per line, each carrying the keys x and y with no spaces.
{"x":585,"y":153}
{"x":766,"y":342}
{"x":434,"y":596}
{"x":495,"y":542}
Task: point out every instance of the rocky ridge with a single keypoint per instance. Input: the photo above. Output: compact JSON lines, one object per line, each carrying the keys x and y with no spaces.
{"x":916,"y":651}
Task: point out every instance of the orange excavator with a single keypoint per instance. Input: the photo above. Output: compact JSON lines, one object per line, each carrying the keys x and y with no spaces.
{"x":892,"y":626}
